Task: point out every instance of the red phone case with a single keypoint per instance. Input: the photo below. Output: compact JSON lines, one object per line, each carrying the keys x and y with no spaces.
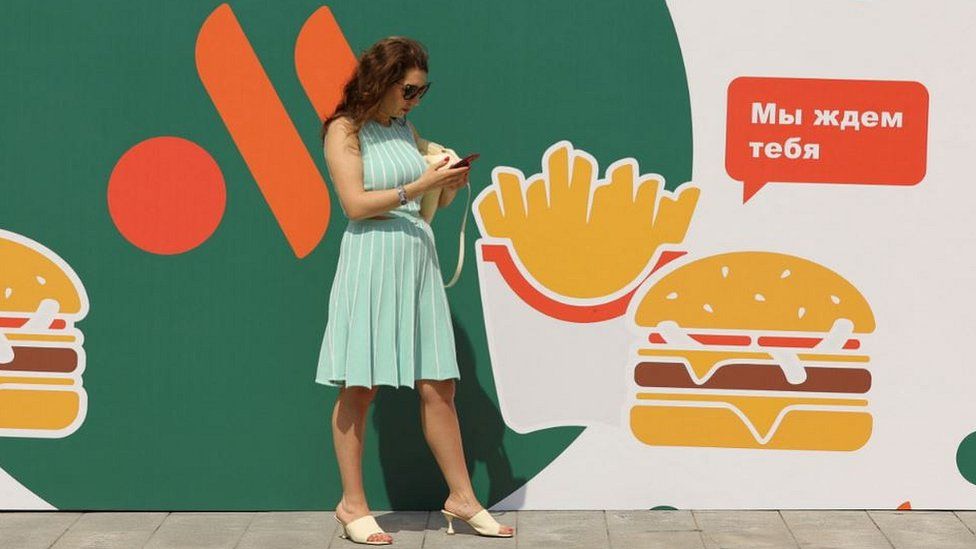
{"x":466,"y":161}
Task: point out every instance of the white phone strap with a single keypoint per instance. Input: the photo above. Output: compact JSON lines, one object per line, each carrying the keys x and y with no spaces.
{"x":460,"y":260}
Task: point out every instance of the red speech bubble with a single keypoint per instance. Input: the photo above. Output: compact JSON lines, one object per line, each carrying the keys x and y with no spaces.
{"x":805,"y":130}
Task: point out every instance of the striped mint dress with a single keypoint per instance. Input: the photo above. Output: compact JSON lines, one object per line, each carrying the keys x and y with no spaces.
{"x":388,"y":319}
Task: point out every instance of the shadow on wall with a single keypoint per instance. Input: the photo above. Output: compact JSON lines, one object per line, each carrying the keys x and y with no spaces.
{"x":413,"y":479}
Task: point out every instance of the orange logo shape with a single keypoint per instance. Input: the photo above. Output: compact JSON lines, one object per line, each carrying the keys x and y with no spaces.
{"x":41,"y":354}
{"x":324,"y":61}
{"x":261,"y":128}
{"x":257,"y":121}
{"x":752,"y":350}
{"x":805,"y":130}
{"x":166,"y":195}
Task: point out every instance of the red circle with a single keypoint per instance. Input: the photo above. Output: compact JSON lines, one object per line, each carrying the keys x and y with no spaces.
{"x":166,"y":195}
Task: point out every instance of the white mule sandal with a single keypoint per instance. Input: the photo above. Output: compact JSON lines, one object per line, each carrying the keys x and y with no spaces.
{"x":482,"y":522}
{"x":360,"y":529}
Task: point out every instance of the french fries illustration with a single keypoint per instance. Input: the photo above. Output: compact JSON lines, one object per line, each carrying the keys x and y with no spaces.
{"x":561,"y":255}
{"x":579,"y":237}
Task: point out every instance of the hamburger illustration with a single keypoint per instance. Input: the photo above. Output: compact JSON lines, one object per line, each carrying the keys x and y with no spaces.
{"x":41,"y":355}
{"x":752,"y":350}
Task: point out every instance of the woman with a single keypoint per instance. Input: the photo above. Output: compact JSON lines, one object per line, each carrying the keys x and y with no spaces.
{"x":389,"y":322}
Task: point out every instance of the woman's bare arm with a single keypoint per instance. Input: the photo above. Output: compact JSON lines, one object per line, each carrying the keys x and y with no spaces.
{"x":427,"y":147}
{"x":346,"y":171}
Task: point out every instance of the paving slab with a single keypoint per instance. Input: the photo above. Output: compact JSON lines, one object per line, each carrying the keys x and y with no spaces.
{"x":30,"y":530}
{"x":653,"y":529}
{"x":924,"y":529}
{"x":835,"y":530}
{"x":968,"y":518}
{"x":660,"y":540}
{"x":289,"y":530}
{"x":744,"y":529}
{"x":110,"y":531}
{"x":562,"y":529}
{"x":200,"y":531}
{"x":466,"y":538}
{"x":631,"y":522}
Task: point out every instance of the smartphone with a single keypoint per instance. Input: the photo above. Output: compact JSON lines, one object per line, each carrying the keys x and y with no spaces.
{"x":466,"y":161}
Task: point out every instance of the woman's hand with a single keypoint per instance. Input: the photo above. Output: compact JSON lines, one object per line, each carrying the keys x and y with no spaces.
{"x":464,"y":181}
{"x":440,"y":176}
{"x":455,"y":158}
{"x":459,"y":185}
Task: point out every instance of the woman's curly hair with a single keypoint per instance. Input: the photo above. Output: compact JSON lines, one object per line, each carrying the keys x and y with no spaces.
{"x":380,"y":67}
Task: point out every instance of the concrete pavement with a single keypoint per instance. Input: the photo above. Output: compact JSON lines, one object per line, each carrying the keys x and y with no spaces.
{"x":536,"y":530}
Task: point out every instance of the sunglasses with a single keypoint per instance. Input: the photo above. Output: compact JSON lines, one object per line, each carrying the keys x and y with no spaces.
{"x":411,"y":91}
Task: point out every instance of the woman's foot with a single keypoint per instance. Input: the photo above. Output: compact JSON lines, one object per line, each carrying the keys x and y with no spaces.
{"x":467,"y":508}
{"x":348,"y":513}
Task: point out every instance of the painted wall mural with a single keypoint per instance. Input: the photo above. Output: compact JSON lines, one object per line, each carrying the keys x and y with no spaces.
{"x":720,"y":262}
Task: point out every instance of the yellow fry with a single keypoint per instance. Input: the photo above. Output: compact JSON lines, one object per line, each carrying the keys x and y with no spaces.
{"x":491,"y":216}
{"x":558,"y":176}
{"x":646,"y":200}
{"x":537,"y":198}
{"x":578,"y":197}
{"x":513,"y":205}
{"x":615,"y":198}
{"x":674,"y":216}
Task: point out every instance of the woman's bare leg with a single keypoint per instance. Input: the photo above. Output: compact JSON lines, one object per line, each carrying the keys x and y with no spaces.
{"x":443,"y":433}
{"x":348,"y":430}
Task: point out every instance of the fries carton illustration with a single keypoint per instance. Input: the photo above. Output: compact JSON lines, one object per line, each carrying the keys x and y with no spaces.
{"x":561,"y":256}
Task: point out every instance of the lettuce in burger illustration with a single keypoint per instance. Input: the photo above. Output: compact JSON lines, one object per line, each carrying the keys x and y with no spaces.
{"x":752,"y":350}
{"x":41,"y":354}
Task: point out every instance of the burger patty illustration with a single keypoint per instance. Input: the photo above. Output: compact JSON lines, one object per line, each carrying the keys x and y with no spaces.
{"x":41,"y":355}
{"x":752,"y":350}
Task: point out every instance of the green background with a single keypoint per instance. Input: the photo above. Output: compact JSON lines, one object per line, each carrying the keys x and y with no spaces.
{"x":201,"y":365}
